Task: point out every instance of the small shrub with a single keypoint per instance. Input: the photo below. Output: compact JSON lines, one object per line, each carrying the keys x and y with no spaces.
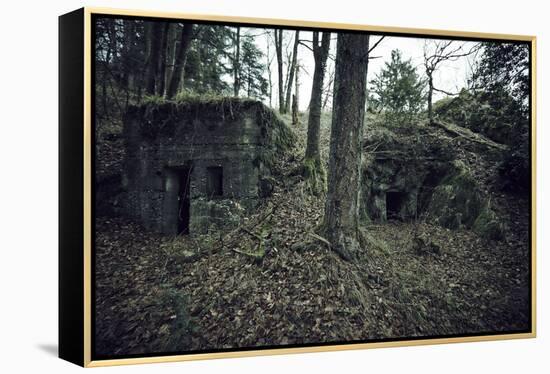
{"x":488,"y":225}
{"x":182,"y":326}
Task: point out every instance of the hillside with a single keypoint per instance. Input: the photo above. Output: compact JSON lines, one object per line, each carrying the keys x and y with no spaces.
{"x":273,"y":281}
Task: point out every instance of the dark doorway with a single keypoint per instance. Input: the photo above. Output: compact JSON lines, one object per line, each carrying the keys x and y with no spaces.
{"x":214,"y":181}
{"x":184,"y":203}
{"x":394,"y":203}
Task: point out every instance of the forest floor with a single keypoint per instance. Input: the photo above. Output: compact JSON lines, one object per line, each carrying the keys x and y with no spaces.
{"x":159,"y":294}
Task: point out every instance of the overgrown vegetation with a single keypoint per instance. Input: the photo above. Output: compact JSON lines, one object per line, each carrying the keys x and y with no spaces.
{"x":315,"y":176}
{"x":432,"y":198}
{"x":283,"y":292}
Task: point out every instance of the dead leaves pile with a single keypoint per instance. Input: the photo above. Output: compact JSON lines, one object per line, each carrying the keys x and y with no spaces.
{"x":149,"y":300}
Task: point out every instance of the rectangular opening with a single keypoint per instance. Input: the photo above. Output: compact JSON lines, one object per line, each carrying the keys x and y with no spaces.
{"x":394,"y":203}
{"x":177,"y":200}
{"x":214,"y":181}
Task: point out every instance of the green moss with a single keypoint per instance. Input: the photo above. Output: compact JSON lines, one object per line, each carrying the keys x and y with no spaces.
{"x":315,"y":176}
{"x":158,"y":116}
{"x":277,"y":131}
{"x":488,"y":226}
{"x":278,"y":137}
{"x":456,"y":201}
{"x":490,"y":113}
{"x":153,"y":100}
{"x":222,"y":106}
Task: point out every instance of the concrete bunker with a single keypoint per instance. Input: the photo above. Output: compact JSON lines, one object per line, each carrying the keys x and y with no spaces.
{"x":194,"y":166}
{"x":390,"y":190}
{"x":412,"y":173}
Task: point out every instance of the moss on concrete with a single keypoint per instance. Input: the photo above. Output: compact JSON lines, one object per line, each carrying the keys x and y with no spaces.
{"x":456,"y":202}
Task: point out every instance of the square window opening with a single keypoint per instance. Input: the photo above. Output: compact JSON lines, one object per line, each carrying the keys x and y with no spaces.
{"x":214,"y":181}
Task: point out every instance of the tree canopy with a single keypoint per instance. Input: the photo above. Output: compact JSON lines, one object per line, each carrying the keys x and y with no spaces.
{"x":397,"y":91}
{"x":504,"y":66}
{"x":503,"y":71}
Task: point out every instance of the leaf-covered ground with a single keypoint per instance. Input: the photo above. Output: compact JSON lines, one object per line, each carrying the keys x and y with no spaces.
{"x":158,"y":294}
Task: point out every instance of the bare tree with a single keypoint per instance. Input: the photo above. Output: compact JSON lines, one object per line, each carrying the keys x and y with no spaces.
{"x":179,"y":63}
{"x":313,"y":168}
{"x":297,"y":83}
{"x":291,"y":70}
{"x":296,"y":97}
{"x":269,"y":61}
{"x":435,"y":53}
{"x":236,"y":63}
{"x":154,"y":36}
{"x":173,"y":37}
{"x":327,"y":91}
{"x":161,"y":78}
{"x":279,"y":55}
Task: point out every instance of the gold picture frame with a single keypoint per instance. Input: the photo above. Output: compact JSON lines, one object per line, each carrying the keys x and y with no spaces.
{"x":76,"y":179}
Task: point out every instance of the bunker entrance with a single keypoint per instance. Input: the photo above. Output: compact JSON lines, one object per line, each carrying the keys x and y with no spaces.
{"x":177,"y":201}
{"x":394,"y":204}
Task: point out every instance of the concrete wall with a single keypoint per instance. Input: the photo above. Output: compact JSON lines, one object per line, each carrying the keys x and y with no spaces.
{"x":389,"y":175}
{"x":160,"y":139}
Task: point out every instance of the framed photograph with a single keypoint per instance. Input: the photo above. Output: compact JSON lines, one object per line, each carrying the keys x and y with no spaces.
{"x":235,"y":186}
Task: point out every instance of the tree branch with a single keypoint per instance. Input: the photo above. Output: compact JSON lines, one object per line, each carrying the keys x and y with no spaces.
{"x":376,"y":44}
{"x":445,"y":92}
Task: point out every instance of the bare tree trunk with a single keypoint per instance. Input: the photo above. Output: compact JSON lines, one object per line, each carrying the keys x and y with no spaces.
{"x":430,"y":95}
{"x":341,"y":221}
{"x":320,"y":54}
{"x":161,"y":78}
{"x":237,"y":63}
{"x":268,"y":67}
{"x":173,"y":36}
{"x":327,"y":92}
{"x":128,"y":47}
{"x":181,"y":57}
{"x":104,"y":98}
{"x":313,"y":169}
{"x":297,"y":86}
{"x":437,"y":52}
{"x":295,"y":113}
{"x":279,"y":54}
{"x":153,"y":47}
{"x":291,"y":71}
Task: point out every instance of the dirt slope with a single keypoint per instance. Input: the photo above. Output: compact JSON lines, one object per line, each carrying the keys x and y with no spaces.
{"x":156,"y":294}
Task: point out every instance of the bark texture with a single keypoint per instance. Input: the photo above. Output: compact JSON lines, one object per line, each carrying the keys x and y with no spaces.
{"x":314,"y":171}
{"x":292,"y":71}
{"x":430,"y":95}
{"x":237,"y":63}
{"x":344,"y":177}
{"x":181,"y":57}
{"x":320,"y":54}
{"x":279,"y":56}
{"x":161,"y":78}
{"x":154,"y":30}
{"x":295,"y":114}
